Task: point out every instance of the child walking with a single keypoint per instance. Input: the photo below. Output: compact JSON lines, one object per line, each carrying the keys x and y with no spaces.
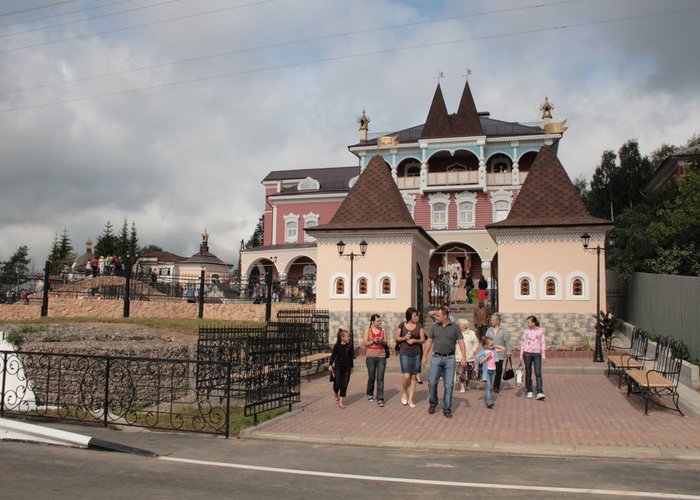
{"x":341,"y":364}
{"x":487,"y":360}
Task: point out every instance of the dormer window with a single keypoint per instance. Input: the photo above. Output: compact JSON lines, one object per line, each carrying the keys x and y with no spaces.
{"x":308,"y":184}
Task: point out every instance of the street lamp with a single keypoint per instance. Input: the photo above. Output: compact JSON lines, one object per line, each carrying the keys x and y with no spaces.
{"x":200,"y":313}
{"x":351,"y":257}
{"x":585,"y":240}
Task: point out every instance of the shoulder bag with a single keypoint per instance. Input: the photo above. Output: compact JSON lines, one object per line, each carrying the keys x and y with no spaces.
{"x":508,"y":374}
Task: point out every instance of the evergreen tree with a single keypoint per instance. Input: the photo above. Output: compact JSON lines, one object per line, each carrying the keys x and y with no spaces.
{"x":122,"y":243}
{"x":149,"y":249}
{"x":256,"y":239}
{"x":106,"y":243}
{"x":16,"y":269}
{"x":133,"y":241}
{"x":600,"y":197}
{"x":61,"y":252}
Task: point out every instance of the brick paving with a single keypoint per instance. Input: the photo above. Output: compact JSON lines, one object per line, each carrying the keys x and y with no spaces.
{"x":584,"y":408}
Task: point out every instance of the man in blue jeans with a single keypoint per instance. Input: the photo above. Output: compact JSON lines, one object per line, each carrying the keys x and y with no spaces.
{"x":442,"y":337}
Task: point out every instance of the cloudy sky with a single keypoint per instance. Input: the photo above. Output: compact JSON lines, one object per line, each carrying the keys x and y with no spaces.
{"x":170,"y":113}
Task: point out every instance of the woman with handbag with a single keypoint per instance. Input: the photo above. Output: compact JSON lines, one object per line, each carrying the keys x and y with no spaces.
{"x":411,"y":336}
{"x":375,"y":358}
{"x":500,"y":339}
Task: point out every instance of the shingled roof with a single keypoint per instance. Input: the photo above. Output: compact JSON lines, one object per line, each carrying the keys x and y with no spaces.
{"x":465,"y":123}
{"x":374,"y":203}
{"x":548,"y":198}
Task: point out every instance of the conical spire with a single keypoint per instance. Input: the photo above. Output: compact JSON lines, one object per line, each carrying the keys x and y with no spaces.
{"x":466,"y":123}
{"x":437,"y":124}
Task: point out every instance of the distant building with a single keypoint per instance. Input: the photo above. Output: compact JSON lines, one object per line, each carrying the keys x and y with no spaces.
{"x":674,"y":167}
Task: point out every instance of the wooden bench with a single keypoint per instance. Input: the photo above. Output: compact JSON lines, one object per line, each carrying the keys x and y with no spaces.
{"x":633,"y":358}
{"x":662,"y":380}
{"x":313,"y":363}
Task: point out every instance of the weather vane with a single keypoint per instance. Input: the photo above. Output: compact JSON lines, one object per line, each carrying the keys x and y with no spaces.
{"x":440,"y":76}
{"x":469,"y":72}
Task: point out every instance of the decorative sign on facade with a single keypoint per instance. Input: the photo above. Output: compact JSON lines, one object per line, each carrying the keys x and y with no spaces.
{"x":388,"y":140}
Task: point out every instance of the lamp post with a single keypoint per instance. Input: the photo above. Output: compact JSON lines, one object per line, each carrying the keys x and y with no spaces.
{"x":268,"y":284}
{"x":200,"y":315}
{"x":585,"y":240}
{"x":351,"y":257}
{"x":127,"y":286}
{"x":45,"y":293}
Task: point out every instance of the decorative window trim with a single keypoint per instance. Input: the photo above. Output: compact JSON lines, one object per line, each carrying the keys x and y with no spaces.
{"x":543,"y":286}
{"x":533,"y":287}
{"x":289,"y":219}
{"x":569,"y":286}
{"x":499,"y":197}
{"x":308,"y":184}
{"x":356,"y":289}
{"x":410,"y":202}
{"x":457,"y":167}
{"x":433,"y":199}
{"x":466,"y":197}
{"x":334,"y":279}
{"x":378,"y":288}
{"x":310,"y":217}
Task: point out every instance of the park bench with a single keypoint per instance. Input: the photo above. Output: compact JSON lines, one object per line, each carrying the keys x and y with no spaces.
{"x":633,"y":358}
{"x":661,"y":381}
{"x":314,"y":363}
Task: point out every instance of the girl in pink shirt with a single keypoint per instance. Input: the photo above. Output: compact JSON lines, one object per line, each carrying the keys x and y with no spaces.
{"x":532,"y":351}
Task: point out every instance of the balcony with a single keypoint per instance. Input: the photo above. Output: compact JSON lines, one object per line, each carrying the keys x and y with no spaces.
{"x":459,"y":180}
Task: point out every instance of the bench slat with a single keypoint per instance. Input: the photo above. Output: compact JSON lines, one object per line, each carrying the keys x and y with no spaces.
{"x":650,"y":379}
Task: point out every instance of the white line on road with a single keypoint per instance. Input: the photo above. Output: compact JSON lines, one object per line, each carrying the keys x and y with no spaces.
{"x":431,"y":482}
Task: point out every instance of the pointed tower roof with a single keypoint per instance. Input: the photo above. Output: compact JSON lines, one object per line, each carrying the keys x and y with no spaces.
{"x":466,"y":122}
{"x":374,"y":203}
{"x":437,"y":124}
{"x":548,"y":198}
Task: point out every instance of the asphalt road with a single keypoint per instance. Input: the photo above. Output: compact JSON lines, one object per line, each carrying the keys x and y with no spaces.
{"x":201,"y":467}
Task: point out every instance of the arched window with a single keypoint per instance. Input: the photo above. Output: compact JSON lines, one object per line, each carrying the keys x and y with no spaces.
{"x":525,"y":287}
{"x":550,"y":287}
{"x":438,"y":210}
{"x":308,"y":184}
{"x":577,"y":287}
{"x":362,"y":286}
{"x":501,"y":201}
{"x":340,"y":286}
{"x":386,"y":286}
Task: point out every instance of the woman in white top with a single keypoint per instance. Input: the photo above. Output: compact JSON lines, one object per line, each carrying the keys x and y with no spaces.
{"x":471,"y":344}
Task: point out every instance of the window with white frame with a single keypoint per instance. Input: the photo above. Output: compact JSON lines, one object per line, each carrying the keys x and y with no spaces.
{"x":291,"y":228}
{"x":577,"y":286}
{"x":339,"y":286}
{"x":524,"y":287}
{"x":466,"y":209}
{"x":308,"y":184}
{"x":410,"y":202}
{"x":501,"y":201}
{"x":550,"y":284}
{"x":310,"y":220}
{"x":362,"y":286}
{"x":439,"y":202}
{"x":386,"y":288}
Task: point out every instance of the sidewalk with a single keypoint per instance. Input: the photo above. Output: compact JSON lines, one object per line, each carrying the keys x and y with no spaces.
{"x":585,"y":414}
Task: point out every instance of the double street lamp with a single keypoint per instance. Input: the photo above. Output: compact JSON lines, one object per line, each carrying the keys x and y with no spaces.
{"x":586,"y":239}
{"x":351,"y":257}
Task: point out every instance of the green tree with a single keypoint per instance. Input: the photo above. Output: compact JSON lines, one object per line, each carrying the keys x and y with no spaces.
{"x":106,"y":243}
{"x":581,"y":187}
{"x":149,"y":249}
{"x":603,"y":185}
{"x":660,"y":154}
{"x":122,"y":243}
{"x":256,"y":239}
{"x":16,"y":269}
{"x":133,"y":240}
{"x":61,"y":252}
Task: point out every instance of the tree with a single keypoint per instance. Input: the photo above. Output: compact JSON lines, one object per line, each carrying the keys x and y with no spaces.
{"x":256,"y":239}
{"x":16,"y":269}
{"x":122,"y":244}
{"x":581,"y":187}
{"x":133,"y":240}
{"x":661,"y":153}
{"x":62,"y":253}
{"x":106,"y":243}
{"x":149,"y":249}
{"x":603,"y":184}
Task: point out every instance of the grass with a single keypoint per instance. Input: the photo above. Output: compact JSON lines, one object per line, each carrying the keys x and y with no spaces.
{"x":187,"y":326}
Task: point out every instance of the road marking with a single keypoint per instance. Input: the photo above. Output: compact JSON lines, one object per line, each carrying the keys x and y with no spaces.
{"x":431,"y":482}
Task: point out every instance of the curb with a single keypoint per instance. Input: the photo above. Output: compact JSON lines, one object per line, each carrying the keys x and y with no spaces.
{"x":518,"y":449}
{"x":21,"y":431}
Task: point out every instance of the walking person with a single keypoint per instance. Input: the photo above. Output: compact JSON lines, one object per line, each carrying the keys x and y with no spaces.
{"x":487,"y":361}
{"x":341,"y":364}
{"x":375,"y":358}
{"x":469,"y":285}
{"x":411,"y":337}
{"x":454,"y":288}
{"x":500,"y":339}
{"x":464,"y":373}
{"x":443,"y":337}
{"x":483,"y":292}
{"x":532,"y":352}
{"x":481,"y":319}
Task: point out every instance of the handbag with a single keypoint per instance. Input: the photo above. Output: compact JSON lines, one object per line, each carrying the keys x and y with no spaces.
{"x":397,"y":346}
{"x":508,"y":374}
{"x":387,"y":352}
{"x":519,"y":376}
{"x":332,"y":376}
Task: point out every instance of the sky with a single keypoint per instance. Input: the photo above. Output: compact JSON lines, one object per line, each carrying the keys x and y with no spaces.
{"x":169,"y":113}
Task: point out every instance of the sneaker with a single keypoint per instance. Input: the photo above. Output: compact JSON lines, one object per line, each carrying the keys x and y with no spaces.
{"x":540,"y":396}
{"x":380,"y":403}
{"x":529,"y":395}
{"x":370,"y":397}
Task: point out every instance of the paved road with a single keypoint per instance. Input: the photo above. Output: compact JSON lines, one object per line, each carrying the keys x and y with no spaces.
{"x":204,"y":467}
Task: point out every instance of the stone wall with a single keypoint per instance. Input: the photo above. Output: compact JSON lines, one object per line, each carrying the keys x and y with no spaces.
{"x":63,"y":307}
{"x":361,"y":323}
{"x":564,"y":331}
